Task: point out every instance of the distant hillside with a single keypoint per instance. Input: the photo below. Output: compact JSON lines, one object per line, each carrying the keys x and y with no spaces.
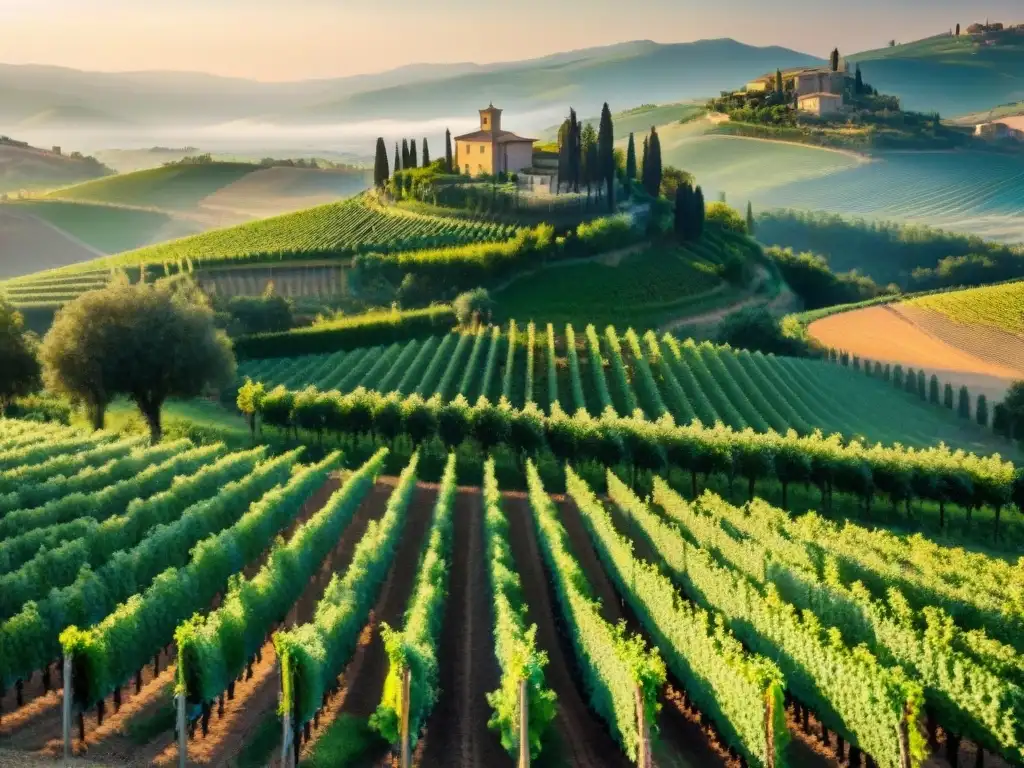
{"x":635,"y":72}
{"x":638,"y":119}
{"x":949,"y":75}
{"x":174,"y":187}
{"x":70,"y":116}
{"x":32,"y":169}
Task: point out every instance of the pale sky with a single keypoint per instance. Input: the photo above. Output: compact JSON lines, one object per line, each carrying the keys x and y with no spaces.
{"x":299,"y":39}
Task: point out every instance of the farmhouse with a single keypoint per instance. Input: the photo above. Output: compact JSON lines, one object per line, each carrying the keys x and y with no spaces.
{"x":491,"y":150}
{"x":805,"y":80}
{"x":820,"y":104}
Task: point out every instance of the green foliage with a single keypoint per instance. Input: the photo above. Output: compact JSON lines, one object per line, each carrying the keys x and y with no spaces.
{"x":475,"y":303}
{"x":515,"y":643}
{"x":270,"y":313}
{"x":615,"y":666}
{"x":368,"y":329}
{"x":755,"y":328}
{"x":811,"y":278}
{"x":963,"y":405}
{"x":314,"y":654}
{"x":849,"y":690}
{"x":740,"y":691}
{"x":913,"y":256}
{"x":726,"y":217}
{"x":19,"y":370}
{"x":148,"y":343}
{"x":213,"y":649}
{"x":415,"y":647}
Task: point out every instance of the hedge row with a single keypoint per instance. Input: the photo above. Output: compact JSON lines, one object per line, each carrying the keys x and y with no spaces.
{"x":366,"y":330}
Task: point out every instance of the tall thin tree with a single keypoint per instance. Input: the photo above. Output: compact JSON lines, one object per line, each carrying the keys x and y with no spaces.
{"x":575,"y":147}
{"x":750,"y":218}
{"x":426,"y":153}
{"x":380,"y":165}
{"x":606,"y":154}
{"x":398,"y":159}
{"x":653,"y":164}
{"x":448,"y":150}
{"x":563,"y":154}
{"x":778,"y":81}
{"x":413,"y":163}
{"x":700,"y":212}
{"x":630,"y":161}
{"x":643,"y":165}
{"x":835,"y":60}
{"x":858,"y":84}
{"x":405,"y":154}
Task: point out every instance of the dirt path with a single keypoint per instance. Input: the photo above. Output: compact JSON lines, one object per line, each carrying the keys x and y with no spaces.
{"x":456,"y":734}
{"x":256,"y":697}
{"x":609,"y":258}
{"x":783,"y":300}
{"x":680,"y":741}
{"x":362,"y":682}
{"x":883,"y":334}
{"x":580,"y":739}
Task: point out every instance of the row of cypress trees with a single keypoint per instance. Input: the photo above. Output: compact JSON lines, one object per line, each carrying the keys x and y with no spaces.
{"x":406,"y":157}
{"x":649,"y":171}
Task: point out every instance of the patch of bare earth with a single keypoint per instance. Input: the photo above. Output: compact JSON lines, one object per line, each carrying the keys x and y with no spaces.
{"x":580,"y":739}
{"x":457,"y":733}
{"x":29,"y":245}
{"x":362,"y":682}
{"x":883,"y":334}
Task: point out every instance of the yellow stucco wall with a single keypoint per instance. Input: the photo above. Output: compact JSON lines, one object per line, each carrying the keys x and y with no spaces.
{"x":476,"y":157}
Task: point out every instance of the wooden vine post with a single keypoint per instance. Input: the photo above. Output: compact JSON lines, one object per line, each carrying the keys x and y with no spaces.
{"x":643,"y":751}
{"x":182,"y":732}
{"x":524,"y":726}
{"x":904,"y":739}
{"x":286,"y":718}
{"x":66,"y":709}
{"x":769,"y":727}
{"x":406,"y":689}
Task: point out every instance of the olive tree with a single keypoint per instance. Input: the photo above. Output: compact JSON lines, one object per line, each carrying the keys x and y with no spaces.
{"x":19,"y":369}
{"x":147,"y":342}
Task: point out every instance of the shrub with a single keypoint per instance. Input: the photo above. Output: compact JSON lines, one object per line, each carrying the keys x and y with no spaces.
{"x":475,"y":302}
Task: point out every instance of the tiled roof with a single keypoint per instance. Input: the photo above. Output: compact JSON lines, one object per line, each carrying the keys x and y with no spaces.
{"x":500,"y":137}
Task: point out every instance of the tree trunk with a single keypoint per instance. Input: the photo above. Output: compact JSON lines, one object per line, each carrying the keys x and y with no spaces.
{"x":97,"y":415}
{"x":152,"y":414}
{"x":785,"y":491}
{"x":751,"y":483}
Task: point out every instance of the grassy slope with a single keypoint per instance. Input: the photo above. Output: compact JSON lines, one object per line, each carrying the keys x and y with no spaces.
{"x":36,"y":170}
{"x":643,"y":290}
{"x":998,"y":306}
{"x":107,"y":228}
{"x":946,"y":74}
{"x":178,"y":187}
{"x":639,"y":119}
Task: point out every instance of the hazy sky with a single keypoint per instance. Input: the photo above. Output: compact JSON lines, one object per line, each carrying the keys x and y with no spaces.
{"x":296,"y":39}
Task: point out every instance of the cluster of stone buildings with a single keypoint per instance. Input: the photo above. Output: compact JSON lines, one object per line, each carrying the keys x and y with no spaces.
{"x":998,"y":131}
{"x":819,"y":90}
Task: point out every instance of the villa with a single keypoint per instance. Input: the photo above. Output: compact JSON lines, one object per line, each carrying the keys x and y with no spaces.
{"x":820,"y":104}
{"x":490,"y":150}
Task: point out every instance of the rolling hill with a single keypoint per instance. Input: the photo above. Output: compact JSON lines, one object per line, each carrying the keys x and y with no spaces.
{"x":948,"y":75}
{"x":639,"y":119}
{"x":23,"y":167}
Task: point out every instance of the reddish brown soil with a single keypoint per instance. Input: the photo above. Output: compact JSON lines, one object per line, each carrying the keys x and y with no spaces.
{"x":457,"y":733}
{"x":580,"y":739}
{"x":680,"y":740}
{"x":37,"y":726}
{"x":362,"y":682}
{"x":884,"y":334}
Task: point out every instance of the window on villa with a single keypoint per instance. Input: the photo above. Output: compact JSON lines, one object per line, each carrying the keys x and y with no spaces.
{"x":481,"y":149}
{"x":467,"y":169}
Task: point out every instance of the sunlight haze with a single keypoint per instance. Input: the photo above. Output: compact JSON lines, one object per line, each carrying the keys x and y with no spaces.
{"x":277,"y":41}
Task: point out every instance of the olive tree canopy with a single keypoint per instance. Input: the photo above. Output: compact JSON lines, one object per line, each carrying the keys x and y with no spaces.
{"x":19,"y":370}
{"x":143,"y":341}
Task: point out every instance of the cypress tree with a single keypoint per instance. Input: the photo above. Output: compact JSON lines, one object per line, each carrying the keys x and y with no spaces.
{"x":963,"y":408}
{"x":778,"y":81}
{"x":981,"y":414}
{"x":643,"y":166}
{"x":405,"y":154}
{"x":858,"y":86}
{"x":887,"y":374}
{"x":835,"y":60}
{"x":380,"y":165}
{"x":958,"y":30}
{"x":897,"y":377}
{"x":563,"y":154}
{"x":947,"y":396}
{"x":606,"y":154}
{"x":630,"y":161}
{"x":426,"y":153}
{"x":933,"y":390}
{"x":575,"y":151}
{"x":922,"y":385}
{"x":1001,"y":420}
{"x":398,"y":160}
{"x":683,"y":212}
{"x":910,"y":384}
{"x":412,"y":154}
{"x":700,"y":213}
{"x":750,"y":218}
{"x":448,"y":162}
{"x":655,"y":163}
